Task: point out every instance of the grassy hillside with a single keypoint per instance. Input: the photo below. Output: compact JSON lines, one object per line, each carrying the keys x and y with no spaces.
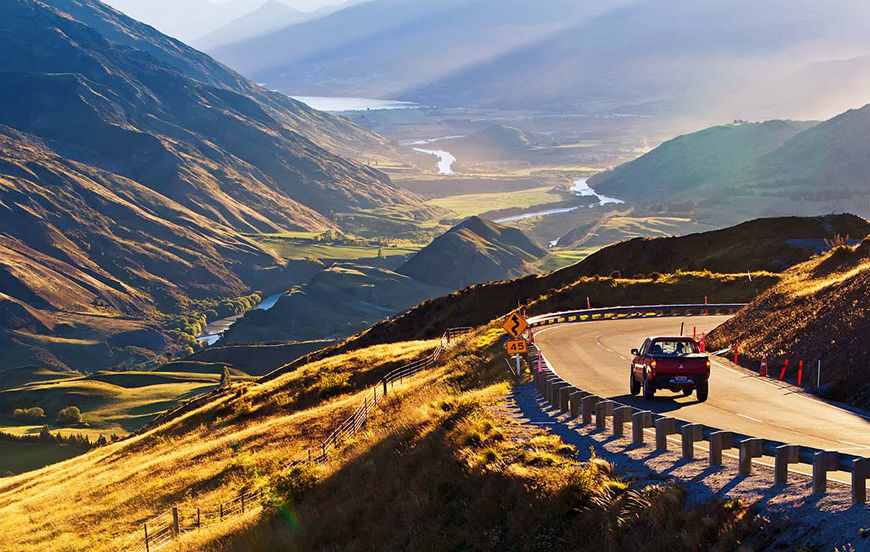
{"x":818,"y":312}
{"x":447,"y":470}
{"x":772,"y":244}
{"x":708,"y":160}
{"x":341,"y":300}
{"x":474,"y":251}
{"x":829,"y":160}
{"x":131,"y":168}
{"x":347,"y":298}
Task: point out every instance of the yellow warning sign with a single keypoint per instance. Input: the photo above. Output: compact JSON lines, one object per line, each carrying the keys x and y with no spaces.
{"x":515,"y":325}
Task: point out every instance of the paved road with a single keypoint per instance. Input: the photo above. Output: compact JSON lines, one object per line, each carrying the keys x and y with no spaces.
{"x":595,"y":357}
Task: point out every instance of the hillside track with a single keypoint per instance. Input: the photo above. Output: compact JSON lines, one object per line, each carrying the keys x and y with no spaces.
{"x":595,"y":357}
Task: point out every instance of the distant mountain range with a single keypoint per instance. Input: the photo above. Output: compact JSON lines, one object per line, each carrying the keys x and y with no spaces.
{"x":132,"y":165}
{"x":669,"y":58}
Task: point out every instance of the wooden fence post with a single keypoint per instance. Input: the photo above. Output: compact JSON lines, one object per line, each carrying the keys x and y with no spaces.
{"x":243,"y":503}
{"x":147,"y":547}
{"x":198,"y":520}
{"x":176,"y":527}
{"x":222,"y":511}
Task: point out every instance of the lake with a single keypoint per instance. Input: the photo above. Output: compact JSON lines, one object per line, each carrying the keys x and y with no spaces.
{"x":338,"y":103}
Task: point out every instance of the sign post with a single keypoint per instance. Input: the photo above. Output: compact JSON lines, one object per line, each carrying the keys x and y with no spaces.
{"x":515,"y":325}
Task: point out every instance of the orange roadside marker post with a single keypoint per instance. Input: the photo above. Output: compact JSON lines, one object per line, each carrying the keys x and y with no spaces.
{"x":702,"y":344}
{"x":784,"y":368}
{"x":763,"y":371}
{"x":800,"y":372}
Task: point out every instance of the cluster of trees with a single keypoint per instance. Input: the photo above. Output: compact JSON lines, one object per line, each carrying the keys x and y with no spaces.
{"x":45,"y":436}
{"x":185,"y":326}
{"x":70,"y":415}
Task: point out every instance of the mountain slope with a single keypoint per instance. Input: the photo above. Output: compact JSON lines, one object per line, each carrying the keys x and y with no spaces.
{"x":126,"y":183}
{"x":707,"y":159}
{"x":818,"y":312}
{"x":696,"y":61}
{"x":474,"y":251}
{"x":352,"y":52}
{"x":271,"y":16}
{"x":347,"y":298}
{"x":832,"y":157}
{"x":333,"y":133}
{"x":703,"y":60}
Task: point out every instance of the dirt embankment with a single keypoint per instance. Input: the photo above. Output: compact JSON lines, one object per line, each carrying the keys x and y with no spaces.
{"x":820,"y":311}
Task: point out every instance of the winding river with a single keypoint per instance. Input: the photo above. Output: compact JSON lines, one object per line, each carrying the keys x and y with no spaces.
{"x":214,"y":330}
{"x":581,"y":188}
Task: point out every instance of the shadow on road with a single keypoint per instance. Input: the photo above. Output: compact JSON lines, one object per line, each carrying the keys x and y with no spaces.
{"x":659,"y":404}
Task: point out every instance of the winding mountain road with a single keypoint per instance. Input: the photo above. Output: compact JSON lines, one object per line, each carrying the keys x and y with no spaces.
{"x":594,"y":356}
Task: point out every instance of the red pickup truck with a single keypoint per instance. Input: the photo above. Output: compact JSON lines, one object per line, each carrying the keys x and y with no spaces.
{"x":670,"y":363}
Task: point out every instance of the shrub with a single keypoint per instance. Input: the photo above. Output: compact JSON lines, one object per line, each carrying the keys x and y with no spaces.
{"x":69,"y":415}
{"x":33,"y":414}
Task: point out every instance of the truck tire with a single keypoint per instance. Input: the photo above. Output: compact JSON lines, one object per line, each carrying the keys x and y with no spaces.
{"x":634,"y":385}
{"x":703,"y":391}
{"x":649,"y":389}
{"x":687,"y":392}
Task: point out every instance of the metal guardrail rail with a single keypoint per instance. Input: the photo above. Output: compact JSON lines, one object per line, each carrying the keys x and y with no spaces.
{"x":579,"y":403}
{"x":584,"y":315}
{"x":159,"y":531}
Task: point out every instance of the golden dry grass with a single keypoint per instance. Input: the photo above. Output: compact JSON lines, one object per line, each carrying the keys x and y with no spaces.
{"x":208,"y":455}
{"x":435,"y":468}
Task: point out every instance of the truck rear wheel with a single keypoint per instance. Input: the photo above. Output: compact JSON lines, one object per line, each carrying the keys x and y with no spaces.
{"x":649,"y":389}
{"x":703,"y":391}
{"x":634,"y":385}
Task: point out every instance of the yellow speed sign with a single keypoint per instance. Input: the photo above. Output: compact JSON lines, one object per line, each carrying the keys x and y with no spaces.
{"x":517,"y":347}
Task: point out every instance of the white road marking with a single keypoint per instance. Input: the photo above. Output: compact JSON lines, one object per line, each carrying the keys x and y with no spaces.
{"x":726,"y":454}
{"x":760,"y":379}
{"x":854,"y":444}
{"x":750,"y":418}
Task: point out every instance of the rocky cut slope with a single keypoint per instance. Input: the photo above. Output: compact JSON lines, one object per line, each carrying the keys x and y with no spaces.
{"x":820,"y":311}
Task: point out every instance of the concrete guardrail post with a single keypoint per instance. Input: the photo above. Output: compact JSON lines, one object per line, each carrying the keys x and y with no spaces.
{"x":602,"y":410}
{"x":550,"y":385}
{"x":664,"y":427}
{"x":556,"y":390}
{"x":860,"y":473}
{"x":749,"y":449}
{"x":587,"y":405}
{"x":823,"y":462}
{"x":564,"y":395}
{"x":621,"y":414}
{"x":574,"y":402}
{"x":639,"y":420}
{"x":691,"y":433}
{"x":785,"y":455}
{"x":719,"y":441}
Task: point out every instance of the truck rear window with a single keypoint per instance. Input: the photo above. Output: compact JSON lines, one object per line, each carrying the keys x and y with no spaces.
{"x":673,"y":347}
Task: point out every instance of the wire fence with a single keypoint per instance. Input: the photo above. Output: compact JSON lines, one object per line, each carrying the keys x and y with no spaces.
{"x":158,"y":532}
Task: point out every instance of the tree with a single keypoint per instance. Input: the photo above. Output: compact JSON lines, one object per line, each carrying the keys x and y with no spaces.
{"x":30,"y":414}
{"x":225,"y":377}
{"x":69,"y":415}
{"x":44,"y":434}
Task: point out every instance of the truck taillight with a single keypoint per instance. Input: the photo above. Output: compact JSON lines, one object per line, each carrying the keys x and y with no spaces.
{"x":708,"y":367}
{"x":652,"y":368}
